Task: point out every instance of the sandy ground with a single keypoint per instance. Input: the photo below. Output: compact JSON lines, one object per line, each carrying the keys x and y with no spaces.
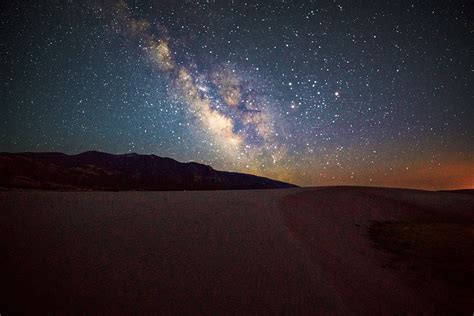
{"x":296,"y":251}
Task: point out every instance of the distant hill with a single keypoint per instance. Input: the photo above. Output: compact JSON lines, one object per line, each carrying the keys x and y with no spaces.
{"x":460,"y":191}
{"x":100,"y":171}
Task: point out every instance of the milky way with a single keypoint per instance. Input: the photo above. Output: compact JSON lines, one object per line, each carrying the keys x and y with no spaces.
{"x":231,"y":111}
{"x":312,"y":92}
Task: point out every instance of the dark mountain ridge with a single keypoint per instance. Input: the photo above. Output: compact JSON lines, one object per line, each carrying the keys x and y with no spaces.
{"x":93,"y":170}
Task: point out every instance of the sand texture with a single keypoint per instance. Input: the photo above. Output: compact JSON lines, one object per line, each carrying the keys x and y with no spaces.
{"x":326,"y":251}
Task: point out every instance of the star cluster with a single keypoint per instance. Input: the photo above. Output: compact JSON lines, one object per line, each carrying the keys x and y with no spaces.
{"x":312,"y":92}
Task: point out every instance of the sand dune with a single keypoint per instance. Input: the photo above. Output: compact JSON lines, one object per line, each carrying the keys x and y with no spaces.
{"x":333,"y":250}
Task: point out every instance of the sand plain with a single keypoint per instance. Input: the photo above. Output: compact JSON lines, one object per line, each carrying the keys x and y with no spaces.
{"x":323,"y":250}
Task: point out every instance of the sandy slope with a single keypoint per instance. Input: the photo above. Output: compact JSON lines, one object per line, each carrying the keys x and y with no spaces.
{"x":301,"y":251}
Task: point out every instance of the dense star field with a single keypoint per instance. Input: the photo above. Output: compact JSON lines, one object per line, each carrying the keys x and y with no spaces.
{"x":311,"y":92}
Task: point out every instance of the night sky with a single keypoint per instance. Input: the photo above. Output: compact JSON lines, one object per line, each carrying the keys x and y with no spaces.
{"x":314,"y":92}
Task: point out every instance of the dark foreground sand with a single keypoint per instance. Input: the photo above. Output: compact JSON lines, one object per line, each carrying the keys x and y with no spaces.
{"x":329,"y":251}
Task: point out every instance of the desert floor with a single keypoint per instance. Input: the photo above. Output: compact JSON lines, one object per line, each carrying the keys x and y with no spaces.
{"x":328,"y":250}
